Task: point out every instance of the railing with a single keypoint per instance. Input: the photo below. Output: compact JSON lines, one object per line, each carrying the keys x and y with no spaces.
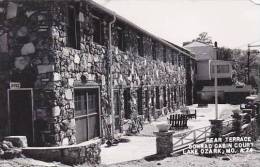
{"x":183,"y":139}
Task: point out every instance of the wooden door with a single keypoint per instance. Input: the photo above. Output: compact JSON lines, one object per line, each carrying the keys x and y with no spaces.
{"x":87,"y":114}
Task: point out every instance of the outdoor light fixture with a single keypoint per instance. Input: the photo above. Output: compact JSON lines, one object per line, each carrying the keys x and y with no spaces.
{"x":257,"y":2}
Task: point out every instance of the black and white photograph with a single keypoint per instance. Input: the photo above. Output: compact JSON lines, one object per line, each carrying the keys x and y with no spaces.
{"x":130,"y":83}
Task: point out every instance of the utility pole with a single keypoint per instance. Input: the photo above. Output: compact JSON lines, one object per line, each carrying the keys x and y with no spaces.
{"x":248,"y":61}
{"x":216,"y":88}
{"x":248,"y":65}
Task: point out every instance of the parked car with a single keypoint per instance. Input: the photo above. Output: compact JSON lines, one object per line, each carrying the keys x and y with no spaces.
{"x":251,"y":102}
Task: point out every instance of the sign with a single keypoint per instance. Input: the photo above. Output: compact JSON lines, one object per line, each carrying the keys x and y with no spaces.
{"x":15,"y":85}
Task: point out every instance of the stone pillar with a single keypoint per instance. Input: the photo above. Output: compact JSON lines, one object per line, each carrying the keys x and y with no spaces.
{"x":237,"y":124}
{"x":164,"y":144}
{"x":217,"y":128}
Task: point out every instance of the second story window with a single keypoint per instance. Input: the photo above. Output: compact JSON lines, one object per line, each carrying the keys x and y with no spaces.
{"x":220,"y":69}
{"x":173,"y":57}
{"x":98,"y":35}
{"x":164,"y":54}
{"x":140,"y":45}
{"x":73,"y":26}
{"x":121,"y":38}
{"x":179,"y":60}
{"x":154,"y":50}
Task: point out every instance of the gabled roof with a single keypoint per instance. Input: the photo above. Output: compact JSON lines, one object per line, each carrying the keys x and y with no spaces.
{"x":196,"y":44}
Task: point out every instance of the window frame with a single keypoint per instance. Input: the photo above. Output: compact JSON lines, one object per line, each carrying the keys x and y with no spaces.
{"x":73,"y":26}
{"x":154,"y":47}
{"x":164,"y":54}
{"x":121,"y":38}
{"x":140,"y":44}
{"x":98,"y":35}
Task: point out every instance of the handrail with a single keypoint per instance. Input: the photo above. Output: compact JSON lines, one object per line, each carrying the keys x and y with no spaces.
{"x":188,"y":131}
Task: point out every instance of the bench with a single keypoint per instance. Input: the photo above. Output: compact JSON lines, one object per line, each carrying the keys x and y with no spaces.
{"x":178,"y":121}
{"x":190,"y":116}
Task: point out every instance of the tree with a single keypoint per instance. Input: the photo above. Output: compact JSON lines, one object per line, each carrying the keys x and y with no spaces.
{"x":224,"y":54}
{"x":240,"y":65}
{"x":204,"y":38}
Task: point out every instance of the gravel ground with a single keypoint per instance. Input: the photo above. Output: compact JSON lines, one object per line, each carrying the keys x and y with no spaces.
{"x":28,"y":162}
{"x":238,"y":160}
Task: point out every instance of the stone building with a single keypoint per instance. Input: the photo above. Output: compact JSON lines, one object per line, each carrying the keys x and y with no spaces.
{"x":65,"y":64}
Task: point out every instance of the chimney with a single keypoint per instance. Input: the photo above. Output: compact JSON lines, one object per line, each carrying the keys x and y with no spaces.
{"x":216,"y":44}
{"x":185,"y":43}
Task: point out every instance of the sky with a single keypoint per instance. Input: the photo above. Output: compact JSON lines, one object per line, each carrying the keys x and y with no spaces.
{"x":232,"y":23}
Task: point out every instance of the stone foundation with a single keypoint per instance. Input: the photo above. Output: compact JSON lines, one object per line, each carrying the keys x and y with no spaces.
{"x":87,"y":152}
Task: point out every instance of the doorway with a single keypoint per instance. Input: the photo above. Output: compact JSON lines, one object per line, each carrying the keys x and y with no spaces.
{"x":127,"y":103}
{"x":20,"y":113}
{"x":87,"y":113}
{"x":117,"y":109}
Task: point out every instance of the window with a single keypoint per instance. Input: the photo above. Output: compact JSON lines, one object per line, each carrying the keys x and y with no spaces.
{"x":121,"y":38}
{"x":179,"y":60}
{"x":223,"y":69}
{"x":127,"y":103}
{"x":164,"y":54}
{"x":220,"y":69}
{"x":73,"y":27}
{"x":175,"y":95}
{"x":164,"y":97}
{"x":80,"y":100}
{"x":172,"y":58}
{"x":176,"y":59}
{"x":140,"y":45}
{"x":154,"y":50}
{"x":157,"y":98}
{"x":139,"y":101}
{"x":98,"y":35}
{"x":152,"y":97}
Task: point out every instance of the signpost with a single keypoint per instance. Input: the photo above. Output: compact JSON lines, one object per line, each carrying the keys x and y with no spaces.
{"x":216,"y":89}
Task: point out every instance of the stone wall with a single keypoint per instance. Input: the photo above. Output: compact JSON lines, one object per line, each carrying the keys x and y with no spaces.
{"x":29,"y":60}
{"x":40,"y":58}
{"x":87,"y":153}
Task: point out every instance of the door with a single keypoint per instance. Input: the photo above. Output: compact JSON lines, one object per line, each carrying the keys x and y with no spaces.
{"x":87,"y":113}
{"x":117,"y":109}
{"x":127,"y":103}
{"x":20,"y":113}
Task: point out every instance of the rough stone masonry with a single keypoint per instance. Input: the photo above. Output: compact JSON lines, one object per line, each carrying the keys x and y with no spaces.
{"x":36,"y":51}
